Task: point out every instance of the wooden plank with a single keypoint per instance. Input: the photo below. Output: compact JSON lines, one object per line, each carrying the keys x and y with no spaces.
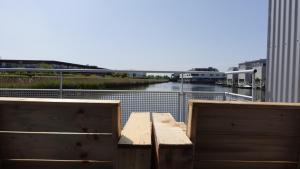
{"x":58,"y":116}
{"x":167,"y":131}
{"x":236,"y":104}
{"x":116,"y":133}
{"x":55,"y":164}
{"x":48,"y":100}
{"x":251,"y":148}
{"x":252,"y":121}
{"x":137,"y":131}
{"x":116,"y":123}
{"x":243,"y":165}
{"x":64,"y":146}
{"x":191,"y":129}
{"x":134,"y":147}
{"x":134,"y":158}
{"x":174,"y":150}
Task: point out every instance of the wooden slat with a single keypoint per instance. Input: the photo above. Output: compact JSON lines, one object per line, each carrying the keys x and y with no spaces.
{"x":243,"y":165}
{"x":116,"y":133}
{"x":48,"y":100}
{"x":237,"y":104}
{"x":137,"y":131}
{"x":48,"y":164}
{"x":248,"y":132}
{"x":252,"y":148}
{"x":134,"y":147}
{"x":173,"y":148}
{"x":56,"y":146}
{"x":57,"y":116}
{"x":252,"y":121}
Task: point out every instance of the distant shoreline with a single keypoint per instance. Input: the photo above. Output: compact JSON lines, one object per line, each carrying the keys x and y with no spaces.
{"x":74,"y":82}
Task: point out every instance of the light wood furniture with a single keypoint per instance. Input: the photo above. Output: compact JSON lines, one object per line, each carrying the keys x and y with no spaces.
{"x":134,"y":147}
{"x":234,"y":135}
{"x":58,"y":133}
{"x":173,"y":149}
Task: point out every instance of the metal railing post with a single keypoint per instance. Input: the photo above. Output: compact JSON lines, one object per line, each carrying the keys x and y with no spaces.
{"x":179,"y":107}
{"x":61,"y":85}
{"x":224,"y":96}
{"x":253,"y":87}
{"x":182,"y":99}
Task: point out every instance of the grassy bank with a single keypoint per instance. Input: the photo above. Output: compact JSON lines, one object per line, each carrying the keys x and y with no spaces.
{"x":73,"y":82}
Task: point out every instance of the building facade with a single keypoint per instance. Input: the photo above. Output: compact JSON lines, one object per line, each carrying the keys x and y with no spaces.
{"x":245,"y":79}
{"x":283,"y":72}
{"x":232,"y":79}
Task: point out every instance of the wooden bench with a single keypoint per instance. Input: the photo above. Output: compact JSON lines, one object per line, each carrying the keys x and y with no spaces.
{"x":235,"y":135}
{"x":173,"y":149}
{"x":134,"y":147}
{"x":58,"y":133}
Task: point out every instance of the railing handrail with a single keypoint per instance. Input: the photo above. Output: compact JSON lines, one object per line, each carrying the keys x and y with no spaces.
{"x":97,"y":70}
{"x":101,"y":90}
{"x":203,"y":92}
{"x":238,"y":95}
{"x":251,"y":71}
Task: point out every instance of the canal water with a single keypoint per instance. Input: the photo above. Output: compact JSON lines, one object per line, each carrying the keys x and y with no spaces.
{"x":175,"y":86}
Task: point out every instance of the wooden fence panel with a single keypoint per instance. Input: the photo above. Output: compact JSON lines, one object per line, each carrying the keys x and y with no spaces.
{"x":58,"y":133}
{"x":53,"y":117}
{"x":234,"y":134}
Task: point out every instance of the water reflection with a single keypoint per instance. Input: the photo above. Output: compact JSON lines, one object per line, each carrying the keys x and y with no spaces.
{"x":175,"y":86}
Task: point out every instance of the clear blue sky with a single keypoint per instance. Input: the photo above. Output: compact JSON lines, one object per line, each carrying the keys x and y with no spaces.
{"x":135,"y":34}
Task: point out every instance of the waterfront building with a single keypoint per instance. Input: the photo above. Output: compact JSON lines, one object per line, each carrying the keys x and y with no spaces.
{"x":245,"y":80}
{"x":232,"y":79}
{"x":206,"y":75}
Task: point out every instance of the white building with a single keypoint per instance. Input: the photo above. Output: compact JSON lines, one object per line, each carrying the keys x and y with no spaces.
{"x":245,"y":80}
{"x":232,"y":79}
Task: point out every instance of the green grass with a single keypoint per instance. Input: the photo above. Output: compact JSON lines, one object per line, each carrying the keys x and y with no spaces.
{"x":73,"y":82}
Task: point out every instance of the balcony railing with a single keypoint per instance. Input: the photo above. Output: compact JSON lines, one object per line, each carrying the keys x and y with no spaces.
{"x":174,"y":102}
